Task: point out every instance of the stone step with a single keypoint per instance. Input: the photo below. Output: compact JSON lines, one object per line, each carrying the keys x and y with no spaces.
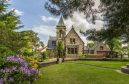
{"x":124,"y":69}
{"x":128,"y":66}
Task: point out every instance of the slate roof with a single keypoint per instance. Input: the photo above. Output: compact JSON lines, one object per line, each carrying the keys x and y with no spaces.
{"x":93,"y":48}
{"x":61,"y":22}
{"x":50,"y":45}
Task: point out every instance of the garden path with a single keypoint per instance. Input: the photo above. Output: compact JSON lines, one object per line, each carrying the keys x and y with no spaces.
{"x":101,"y":67}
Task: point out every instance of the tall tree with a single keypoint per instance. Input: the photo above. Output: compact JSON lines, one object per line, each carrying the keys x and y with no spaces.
{"x":60,"y":50}
{"x":9,"y":24}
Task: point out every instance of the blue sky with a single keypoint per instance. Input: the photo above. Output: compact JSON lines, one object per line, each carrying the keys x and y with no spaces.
{"x":33,"y":14}
{"x":35,"y":17}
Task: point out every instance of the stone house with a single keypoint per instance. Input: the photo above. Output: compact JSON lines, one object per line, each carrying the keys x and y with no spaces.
{"x":98,"y":49}
{"x":74,"y":46}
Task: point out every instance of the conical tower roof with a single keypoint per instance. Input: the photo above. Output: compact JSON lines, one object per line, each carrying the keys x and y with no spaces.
{"x":61,"y":22}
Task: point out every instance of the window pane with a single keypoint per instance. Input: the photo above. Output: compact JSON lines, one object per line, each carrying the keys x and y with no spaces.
{"x":76,"y":51}
{"x":53,"y":43}
{"x":72,"y":50}
{"x":68,"y":51}
{"x":73,"y":40}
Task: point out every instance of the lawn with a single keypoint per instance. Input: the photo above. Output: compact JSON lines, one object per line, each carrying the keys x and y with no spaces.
{"x":108,"y":64}
{"x":79,"y":73}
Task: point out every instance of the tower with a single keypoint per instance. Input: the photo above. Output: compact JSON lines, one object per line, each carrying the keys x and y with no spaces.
{"x":60,"y":30}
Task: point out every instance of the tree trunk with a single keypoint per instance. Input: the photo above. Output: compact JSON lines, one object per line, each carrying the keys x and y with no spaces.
{"x":121,"y":56}
{"x":63,"y":59}
{"x":57,"y":60}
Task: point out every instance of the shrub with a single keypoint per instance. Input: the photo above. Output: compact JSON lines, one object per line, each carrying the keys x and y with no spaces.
{"x":5,"y":51}
{"x":26,"y":52}
{"x":16,"y":70}
{"x":44,"y":55}
{"x":33,"y":61}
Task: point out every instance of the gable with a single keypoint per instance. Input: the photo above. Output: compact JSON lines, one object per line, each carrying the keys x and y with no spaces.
{"x":73,"y":34}
{"x":99,"y":45}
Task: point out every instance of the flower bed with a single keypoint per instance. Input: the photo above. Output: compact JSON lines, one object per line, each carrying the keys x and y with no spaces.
{"x":16,"y":70}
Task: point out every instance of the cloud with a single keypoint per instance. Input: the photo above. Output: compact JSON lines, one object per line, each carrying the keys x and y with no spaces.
{"x":48,"y":19}
{"x":80,"y":23}
{"x":45,"y":30}
{"x":18,"y":12}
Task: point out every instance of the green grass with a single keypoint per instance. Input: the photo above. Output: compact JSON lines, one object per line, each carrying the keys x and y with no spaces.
{"x":108,"y":64}
{"x":77,"y":73}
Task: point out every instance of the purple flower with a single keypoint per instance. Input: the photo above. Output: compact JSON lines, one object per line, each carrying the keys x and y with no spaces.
{"x":1,"y":81}
{"x":15,"y":59}
{"x":21,"y":66}
{"x":11,"y":79}
{"x":34,"y":71}
{"x":6,"y":70}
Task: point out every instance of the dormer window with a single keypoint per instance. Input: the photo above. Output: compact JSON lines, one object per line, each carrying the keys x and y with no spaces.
{"x":101,"y":47}
{"x":72,"y":41}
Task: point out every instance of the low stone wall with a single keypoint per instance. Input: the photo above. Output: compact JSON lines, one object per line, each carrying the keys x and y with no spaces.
{"x":53,"y":61}
{"x":44,"y":64}
{"x":95,"y":59}
{"x":125,"y":69}
{"x":48,"y":62}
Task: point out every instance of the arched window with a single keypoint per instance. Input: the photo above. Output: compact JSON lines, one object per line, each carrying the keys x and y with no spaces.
{"x":60,"y":34}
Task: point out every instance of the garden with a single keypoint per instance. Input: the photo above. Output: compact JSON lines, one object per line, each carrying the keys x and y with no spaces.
{"x":84,"y":72}
{"x":22,"y":51}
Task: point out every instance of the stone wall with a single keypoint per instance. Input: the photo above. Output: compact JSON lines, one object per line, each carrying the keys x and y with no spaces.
{"x":78,"y":42}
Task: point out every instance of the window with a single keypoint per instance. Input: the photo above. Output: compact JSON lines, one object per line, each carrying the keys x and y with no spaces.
{"x":72,"y":51}
{"x":60,"y":34}
{"x":101,"y":47}
{"x":53,"y":43}
{"x":92,"y":52}
{"x":76,"y":51}
{"x":72,"y":40}
{"x":68,"y":50}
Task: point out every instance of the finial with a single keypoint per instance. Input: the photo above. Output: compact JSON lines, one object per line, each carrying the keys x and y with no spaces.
{"x":72,"y":27}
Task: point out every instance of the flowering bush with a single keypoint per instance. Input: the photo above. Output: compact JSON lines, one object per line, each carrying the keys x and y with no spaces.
{"x":16,"y":70}
{"x":33,"y":61}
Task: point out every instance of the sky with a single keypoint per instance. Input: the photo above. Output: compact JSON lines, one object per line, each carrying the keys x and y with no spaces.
{"x":35,"y":17}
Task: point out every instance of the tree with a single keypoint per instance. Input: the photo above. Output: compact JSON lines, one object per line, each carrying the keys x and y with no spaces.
{"x":90,"y":45}
{"x":60,"y":50}
{"x":115,"y":45}
{"x":5,"y":51}
{"x":67,"y":7}
{"x":29,"y":41}
{"x":9,"y":22}
{"x":9,"y":36}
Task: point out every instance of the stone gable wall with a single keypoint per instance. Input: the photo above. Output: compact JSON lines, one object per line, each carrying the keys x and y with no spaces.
{"x":98,"y":48}
{"x":79,"y":43}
